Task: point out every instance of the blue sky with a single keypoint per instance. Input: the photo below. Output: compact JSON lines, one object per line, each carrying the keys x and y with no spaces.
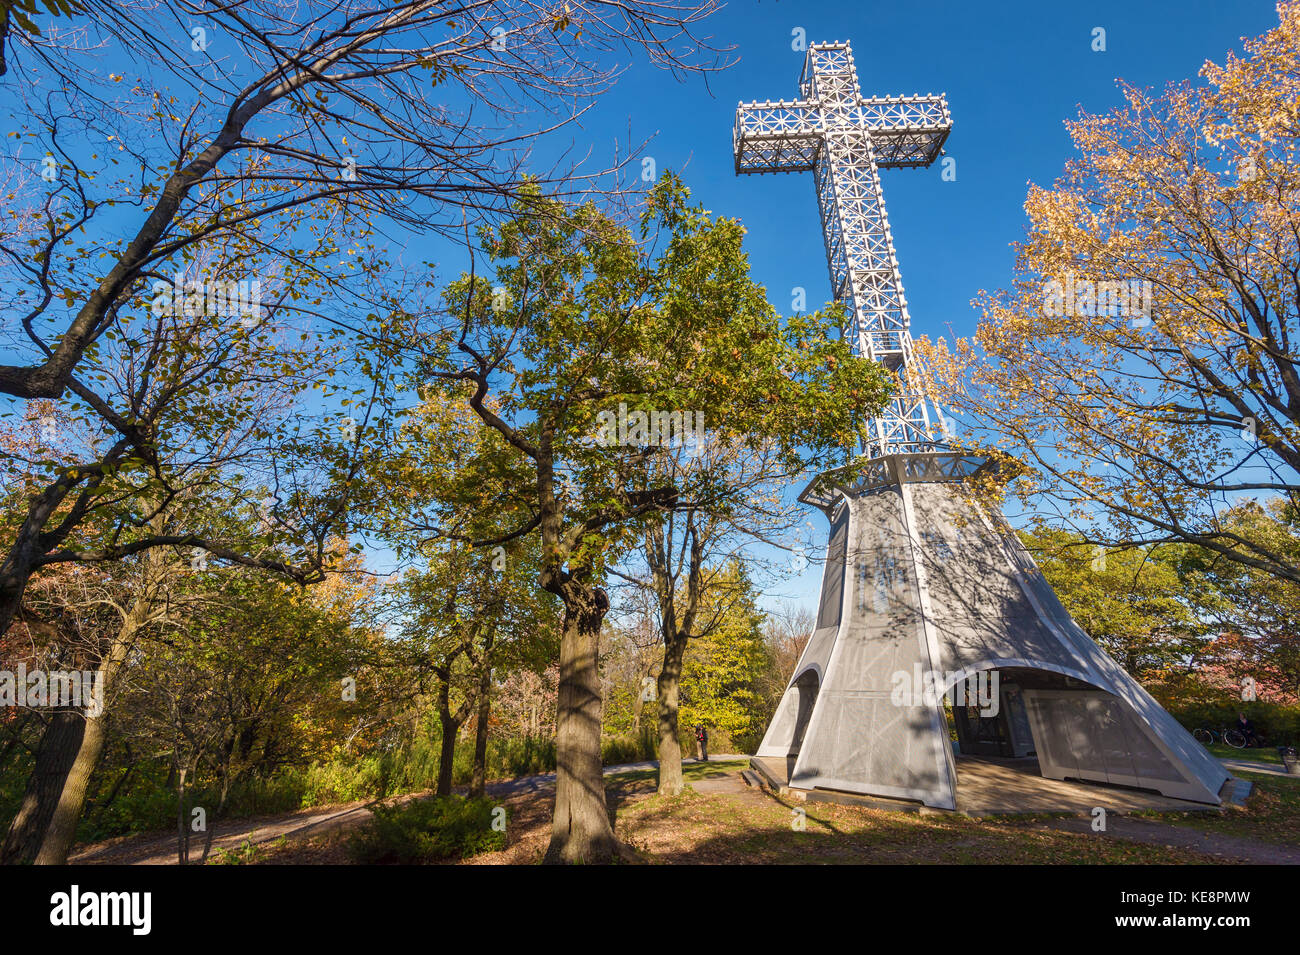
{"x":1013,"y":73}
{"x":1012,"y":76}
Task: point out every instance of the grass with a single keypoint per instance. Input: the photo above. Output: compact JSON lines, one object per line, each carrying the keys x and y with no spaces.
{"x":1262,"y":754}
{"x":1271,"y":814}
{"x":720,"y":829}
{"x":246,"y":853}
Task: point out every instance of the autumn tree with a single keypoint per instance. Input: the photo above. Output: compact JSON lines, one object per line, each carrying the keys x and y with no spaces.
{"x":1255,"y":614}
{"x":1143,"y":362}
{"x":415,"y":112}
{"x":586,"y":333}
{"x":684,"y":564}
{"x":191,"y":395}
{"x":466,"y":613}
{"x":268,"y":167}
{"x":788,"y":629}
{"x":239,"y":661}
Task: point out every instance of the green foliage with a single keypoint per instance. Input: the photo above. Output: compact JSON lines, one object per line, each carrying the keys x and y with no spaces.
{"x":347,"y":780}
{"x":148,"y":802}
{"x":584,"y":320}
{"x":22,"y":12}
{"x":507,"y":759}
{"x":13,"y":783}
{"x":414,"y":768}
{"x":427,"y":830}
{"x":1135,"y":603}
{"x":246,"y":853}
{"x":1255,"y":611}
{"x":1274,"y":725}
{"x":723,"y":673}
{"x":617,"y":750}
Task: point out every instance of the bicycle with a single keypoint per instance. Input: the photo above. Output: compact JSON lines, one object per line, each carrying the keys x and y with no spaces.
{"x":1230,"y":737}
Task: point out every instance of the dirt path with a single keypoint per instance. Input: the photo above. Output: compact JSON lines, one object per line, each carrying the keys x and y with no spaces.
{"x":301,"y":829}
{"x":160,"y":848}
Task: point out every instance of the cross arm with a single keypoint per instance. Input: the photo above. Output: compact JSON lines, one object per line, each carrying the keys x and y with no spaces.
{"x":785,"y":136}
{"x":906,"y":130}
{"x":775,"y":137}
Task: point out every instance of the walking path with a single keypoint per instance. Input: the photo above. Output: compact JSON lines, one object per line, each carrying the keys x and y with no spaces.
{"x":1251,"y":766}
{"x":1156,"y":833}
{"x":160,"y":848}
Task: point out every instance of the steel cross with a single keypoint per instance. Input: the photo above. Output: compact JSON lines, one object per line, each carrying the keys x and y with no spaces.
{"x":845,"y":139}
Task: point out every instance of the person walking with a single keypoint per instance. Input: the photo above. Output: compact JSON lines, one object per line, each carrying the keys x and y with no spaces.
{"x":702,"y":737}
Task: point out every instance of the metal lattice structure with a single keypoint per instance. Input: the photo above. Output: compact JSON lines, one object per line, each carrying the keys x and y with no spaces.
{"x":845,"y":139}
{"x":920,"y":577}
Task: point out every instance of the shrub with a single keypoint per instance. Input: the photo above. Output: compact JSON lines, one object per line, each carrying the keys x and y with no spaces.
{"x":427,"y":830}
{"x":629,"y":749}
{"x":246,"y":853}
{"x":520,"y":757}
{"x":1275,"y":725}
{"x":342,"y":780}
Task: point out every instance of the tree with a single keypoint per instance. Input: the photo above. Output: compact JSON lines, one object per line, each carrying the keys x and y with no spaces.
{"x":466,"y":613}
{"x":43,"y":829}
{"x":1254,"y":613}
{"x":722,"y":683}
{"x":580,"y":337}
{"x":239,"y":659}
{"x":787,"y":631}
{"x":336,"y":119}
{"x":686,"y":561}
{"x":358,"y":106}
{"x":1136,"y":603}
{"x":1143,"y":360}
{"x":20,"y":12}
{"x":182,"y":399}
{"x":203,"y":398}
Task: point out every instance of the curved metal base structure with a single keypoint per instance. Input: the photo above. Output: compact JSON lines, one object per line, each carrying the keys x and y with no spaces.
{"x":920,"y":580}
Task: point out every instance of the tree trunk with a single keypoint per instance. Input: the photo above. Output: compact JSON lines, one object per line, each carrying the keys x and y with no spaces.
{"x":71,"y":801}
{"x":62,"y":829}
{"x":450,"y":727}
{"x":44,"y":829}
{"x":478,"y":782}
{"x":60,"y":744}
{"x":182,"y":834}
{"x":670,"y":748}
{"x":581,"y":831}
